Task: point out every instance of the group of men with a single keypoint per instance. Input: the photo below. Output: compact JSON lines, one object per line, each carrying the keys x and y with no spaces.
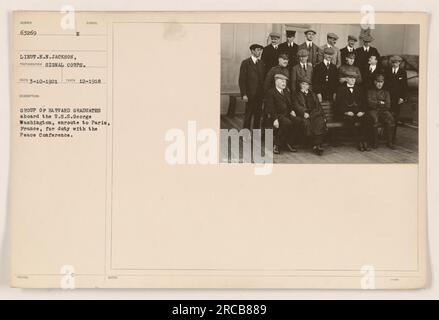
{"x":284,"y":84}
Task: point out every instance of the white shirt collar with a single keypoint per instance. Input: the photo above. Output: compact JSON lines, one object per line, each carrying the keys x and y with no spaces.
{"x":373,"y":67}
{"x":326,"y":61}
{"x":308,"y":43}
{"x":305,"y":92}
{"x":254,"y":58}
{"x":366,"y":48}
{"x":349,"y":86}
{"x":350,"y":49}
{"x":280,"y":90}
{"x":328,"y":45}
{"x":395,"y":70}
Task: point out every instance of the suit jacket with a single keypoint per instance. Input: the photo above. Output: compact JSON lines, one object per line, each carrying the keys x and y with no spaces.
{"x":291,"y":51}
{"x":346,"y":101}
{"x":374,"y":97}
{"x":362,"y":57}
{"x":270,"y":56}
{"x":396,"y":84}
{"x":316,"y":123}
{"x":369,"y":77}
{"x":297,"y":72}
{"x":278,"y":105}
{"x":325,"y":80}
{"x":336,"y":58}
{"x":251,"y":78}
{"x":343,"y":53}
{"x":269,"y":78}
{"x":315,"y":54}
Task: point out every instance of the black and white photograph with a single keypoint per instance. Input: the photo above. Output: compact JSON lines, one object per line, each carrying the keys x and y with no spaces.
{"x":320,"y":93}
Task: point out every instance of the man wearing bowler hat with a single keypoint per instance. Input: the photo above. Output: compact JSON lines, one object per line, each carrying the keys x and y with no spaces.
{"x":396,"y":84}
{"x":350,"y":48}
{"x":251,"y":80}
{"x":281,"y":115}
{"x":331,"y":41}
{"x":315,"y":53}
{"x":364,"y":52}
{"x":290,"y":48}
{"x":271,"y":51}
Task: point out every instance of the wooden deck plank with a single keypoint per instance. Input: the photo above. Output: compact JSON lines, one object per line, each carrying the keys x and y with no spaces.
{"x":346,"y":152}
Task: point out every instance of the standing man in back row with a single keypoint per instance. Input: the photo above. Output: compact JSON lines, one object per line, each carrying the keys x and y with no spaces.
{"x":363,"y":53}
{"x":331,"y":41}
{"x":315,"y":54}
{"x":271,"y":52}
{"x":290,"y":48}
{"x":251,"y":82}
{"x":350,"y":48}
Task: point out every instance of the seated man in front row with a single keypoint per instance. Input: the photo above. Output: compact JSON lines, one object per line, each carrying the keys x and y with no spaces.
{"x":309,"y":110}
{"x":281,"y":115}
{"x":351,"y":106}
{"x":379,"y":110}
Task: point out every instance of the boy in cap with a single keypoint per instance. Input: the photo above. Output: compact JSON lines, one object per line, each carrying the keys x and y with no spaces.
{"x":281,"y":68}
{"x":349,"y":66}
{"x":251,"y":82}
{"x":325,"y":77}
{"x":303,"y":69}
{"x":310,"y":112}
{"x":378,"y":101}
{"x":315,"y":53}
{"x":271,"y":51}
{"x":364,"y":52}
{"x":351,"y":107}
{"x":290,"y":48}
{"x":281,"y":115}
{"x":331,"y":39}
{"x":396,"y":84}
{"x":350,"y":47}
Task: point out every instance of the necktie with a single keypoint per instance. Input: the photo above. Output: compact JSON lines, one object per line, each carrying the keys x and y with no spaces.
{"x":304,"y":67}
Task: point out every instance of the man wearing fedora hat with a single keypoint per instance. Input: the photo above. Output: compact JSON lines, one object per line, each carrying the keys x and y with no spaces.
{"x":396,"y":84}
{"x":331,"y":41}
{"x":364,"y":52}
{"x":251,"y":80}
{"x":290,"y":48}
{"x":271,"y":51}
{"x":315,"y":53}
{"x":350,"y":48}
